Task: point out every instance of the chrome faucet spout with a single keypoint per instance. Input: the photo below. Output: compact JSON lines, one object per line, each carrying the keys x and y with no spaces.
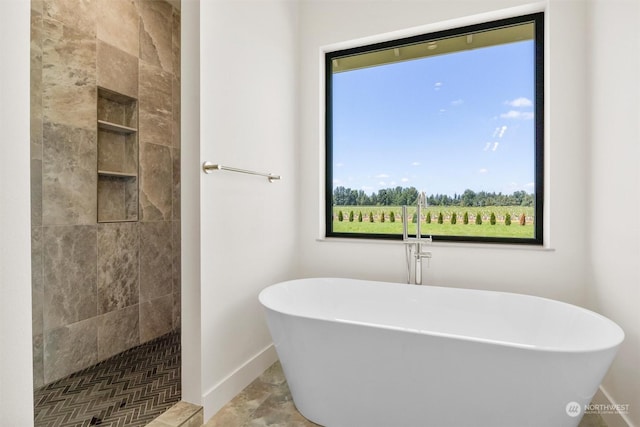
{"x":414,"y":245}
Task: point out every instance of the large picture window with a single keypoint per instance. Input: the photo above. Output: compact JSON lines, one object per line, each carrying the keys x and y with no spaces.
{"x":456,"y":114}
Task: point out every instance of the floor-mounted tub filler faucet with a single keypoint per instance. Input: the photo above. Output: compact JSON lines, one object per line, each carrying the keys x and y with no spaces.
{"x":413,"y":245}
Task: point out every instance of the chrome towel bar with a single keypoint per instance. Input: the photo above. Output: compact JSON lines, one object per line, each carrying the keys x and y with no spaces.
{"x":209,"y":167}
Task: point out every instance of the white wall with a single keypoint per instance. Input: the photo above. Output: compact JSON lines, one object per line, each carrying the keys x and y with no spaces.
{"x":248,"y":120}
{"x":16,"y":379}
{"x":190,"y":292}
{"x":556,"y":273}
{"x":614,"y":182}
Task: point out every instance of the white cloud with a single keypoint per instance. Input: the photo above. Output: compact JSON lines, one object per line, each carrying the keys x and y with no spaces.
{"x":382,"y":175}
{"x":493,"y":146}
{"x":530,"y":185}
{"x":499,"y":132}
{"x":520,"y":102}
{"x":405,"y":180}
{"x":437,"y":86}
{"x":513,"y":114}
{"x":457,"y":102}
{"x":366,"y":188}
{"x":483,"y":170}
{"x":382,"y":183}
{"x":337,"y":182}
{"x":339,"y":165}
{"x":415,"y":164}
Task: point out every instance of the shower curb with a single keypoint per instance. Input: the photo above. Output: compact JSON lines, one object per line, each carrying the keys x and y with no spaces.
{"x":182,"y":414}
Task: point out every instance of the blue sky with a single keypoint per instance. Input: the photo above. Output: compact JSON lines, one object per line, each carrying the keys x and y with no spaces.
{"x":441,"y":124}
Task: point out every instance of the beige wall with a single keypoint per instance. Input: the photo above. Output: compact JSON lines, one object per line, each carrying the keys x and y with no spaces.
{"x":101,"y":288}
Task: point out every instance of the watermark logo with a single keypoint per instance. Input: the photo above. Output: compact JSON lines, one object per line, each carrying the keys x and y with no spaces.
{"x":608,"y":408}
{"x":573,"y":409}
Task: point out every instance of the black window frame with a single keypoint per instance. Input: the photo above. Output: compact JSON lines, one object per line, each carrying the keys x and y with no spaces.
{"x":538,"y":20}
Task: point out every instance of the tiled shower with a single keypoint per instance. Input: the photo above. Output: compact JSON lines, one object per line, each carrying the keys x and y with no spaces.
{"x":100,"y":288}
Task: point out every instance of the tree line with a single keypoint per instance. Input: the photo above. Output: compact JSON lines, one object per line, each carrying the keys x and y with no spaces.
{"x":399,"y":196}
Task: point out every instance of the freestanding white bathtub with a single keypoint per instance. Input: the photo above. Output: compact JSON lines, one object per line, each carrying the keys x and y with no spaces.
{"x":364,"y":354}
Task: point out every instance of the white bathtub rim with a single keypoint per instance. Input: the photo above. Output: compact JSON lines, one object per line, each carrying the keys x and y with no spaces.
{"x":615,"y":343}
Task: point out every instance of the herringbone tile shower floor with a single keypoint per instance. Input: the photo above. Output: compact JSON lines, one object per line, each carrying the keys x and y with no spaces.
{"x":129,"y":389}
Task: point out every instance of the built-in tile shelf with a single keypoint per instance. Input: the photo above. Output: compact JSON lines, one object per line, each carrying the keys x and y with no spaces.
{"x":117,"y":174}
{"x":115,"y":127}
{"x":117,"y":157}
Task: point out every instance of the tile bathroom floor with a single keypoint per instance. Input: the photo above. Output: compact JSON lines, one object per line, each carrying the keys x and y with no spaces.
{"x":129,"y":389}
{"x":267,"y":402}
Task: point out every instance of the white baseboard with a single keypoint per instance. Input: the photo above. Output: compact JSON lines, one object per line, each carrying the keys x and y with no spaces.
{"x":218,"y":396}
{"x":611,"y":419}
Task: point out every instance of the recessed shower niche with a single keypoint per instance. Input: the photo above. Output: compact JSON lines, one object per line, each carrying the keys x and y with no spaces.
{"x":117,"y":157}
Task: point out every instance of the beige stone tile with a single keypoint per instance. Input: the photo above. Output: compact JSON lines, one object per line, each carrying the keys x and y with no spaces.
{"x":196,"y":421}
{"x":36,"y":260}
{"x":115,"y":197}
{"x":36,"y":85}
{"x":155,"y":105}
{"x":117,"y":152}
{"x":176,"y":129}
{"x":229,"y":415}
{"x":592,"y":420}
{"x":69,"y":266}
{"x":156,"y":182}
{"x":176,"y":249}
{"x":176,"y":275}
{"x":274,"y":376}
{"x":69,"y":349}
{"x":118,"y":331}
{"x":156,"y":20}
{"x":176,"y":42}
{"x":182,"y":414}
{"x":36,"y":191}
{"x":278,"y":409}
{"x":118,"y":266}
{"x":265,"y":402}
{"x":117,"y":109}
{"x":38,"y":362}
{"x":156,"y":266}
{"x":79,"y":15}
{"x":36,"y":114}
{"x":37,"y":6}
{"x":37,"y":308}
{"x":69,"y":175}
{"x":117,"y":70}
{"x":131,"y":204}
{"x":119,"y":24}
{"x":177,"y":311}
{"x":175,"y":177}
{"x":155,"y":318}
{"x":158,"y":423}
{"x":68,"y":76}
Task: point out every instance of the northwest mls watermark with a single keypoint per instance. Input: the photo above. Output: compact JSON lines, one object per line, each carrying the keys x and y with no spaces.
{"x":574,"y":409}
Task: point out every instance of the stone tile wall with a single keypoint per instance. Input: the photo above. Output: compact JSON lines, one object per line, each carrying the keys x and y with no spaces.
{"x":100,"y":289}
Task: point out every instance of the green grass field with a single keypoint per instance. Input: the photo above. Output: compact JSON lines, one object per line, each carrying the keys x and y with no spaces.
{"x":515,"y":230}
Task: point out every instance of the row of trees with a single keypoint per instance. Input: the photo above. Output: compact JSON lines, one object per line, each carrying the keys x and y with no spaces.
{"x":522,"y":220}
{"x":407,"y":196}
